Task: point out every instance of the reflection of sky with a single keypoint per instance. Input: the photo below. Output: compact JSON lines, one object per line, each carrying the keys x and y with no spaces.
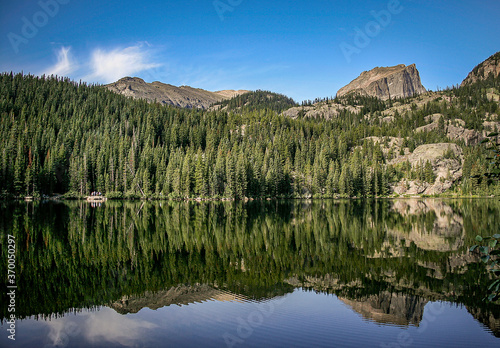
{"x":300,"y":319}
{"x":99,"y":327}
{"x":104,"y":328}
{"x":107,"y":325}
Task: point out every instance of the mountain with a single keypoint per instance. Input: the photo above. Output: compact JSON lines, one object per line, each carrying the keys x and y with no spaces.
{"x":184,"y":96}
{"x":483,"y":70}
{"x":398,"y":81}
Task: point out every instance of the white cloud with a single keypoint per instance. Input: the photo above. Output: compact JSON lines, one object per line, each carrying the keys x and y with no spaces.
{"x":109,"y":66}
{"x":107,"y":325}
{"x":104,"y":66}
{"x":65,"y":64}
{"x":98,"y":328}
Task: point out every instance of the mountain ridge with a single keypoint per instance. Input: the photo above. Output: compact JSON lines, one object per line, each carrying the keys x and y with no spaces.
{"x":167,"y":94}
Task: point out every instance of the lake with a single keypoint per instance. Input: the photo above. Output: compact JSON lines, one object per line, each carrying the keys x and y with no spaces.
{"x":294,"y":273}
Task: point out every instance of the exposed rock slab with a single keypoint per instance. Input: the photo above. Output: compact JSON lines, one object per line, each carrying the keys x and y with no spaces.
{"x":446,"y":160}
{"x":454,"y":130}
{"x":398,"y":81}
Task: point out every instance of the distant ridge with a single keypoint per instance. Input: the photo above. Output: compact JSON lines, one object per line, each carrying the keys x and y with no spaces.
{"x":184,"y":96}
{"x":398,"y":81}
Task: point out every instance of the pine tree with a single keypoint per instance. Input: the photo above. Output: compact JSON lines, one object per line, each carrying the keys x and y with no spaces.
{"x":201,"y":185}
{"x":429,"y":175}
{"x":241,"y":176}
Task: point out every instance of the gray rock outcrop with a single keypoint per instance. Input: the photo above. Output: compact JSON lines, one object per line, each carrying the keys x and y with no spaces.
{"x":446,"y":160}
{"x":398,"y":81}
{"x":454,"y":130}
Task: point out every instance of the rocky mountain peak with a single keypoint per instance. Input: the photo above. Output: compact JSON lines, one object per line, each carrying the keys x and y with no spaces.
{"x":482,"y":71}
{"x":397,"y":81}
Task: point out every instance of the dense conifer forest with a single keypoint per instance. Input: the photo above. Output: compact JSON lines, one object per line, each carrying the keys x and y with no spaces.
{"x":258,"y":100}
{"x":63,"y":137}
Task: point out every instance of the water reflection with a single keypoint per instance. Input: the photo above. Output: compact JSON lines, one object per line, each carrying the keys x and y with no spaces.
{"x":103,"y":327}
{"x":385,"y":260}
{"x":390,"y":308}
{"x":176,"y":295}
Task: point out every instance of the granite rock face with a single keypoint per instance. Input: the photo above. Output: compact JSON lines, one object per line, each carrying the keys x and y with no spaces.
{"x":398,"y":81}
{"x":482,"y":71}
{"x":446,"y":160}
{"x":184,"y":96}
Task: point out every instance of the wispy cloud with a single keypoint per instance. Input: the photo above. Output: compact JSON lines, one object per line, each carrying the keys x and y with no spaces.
{"x":103,"y":65}
{"x":109,"y":66}
{"x":65,"y":63}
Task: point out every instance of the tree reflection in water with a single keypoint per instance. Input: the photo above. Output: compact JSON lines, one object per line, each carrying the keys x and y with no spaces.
{"x":385,"y":259}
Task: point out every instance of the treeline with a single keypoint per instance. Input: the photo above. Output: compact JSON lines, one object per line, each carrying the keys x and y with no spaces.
{"x":258,"y":100}
{"x":70,"y":138}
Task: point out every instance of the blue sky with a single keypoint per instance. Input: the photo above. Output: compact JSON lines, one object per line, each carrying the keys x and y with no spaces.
{"x":303,"y":49}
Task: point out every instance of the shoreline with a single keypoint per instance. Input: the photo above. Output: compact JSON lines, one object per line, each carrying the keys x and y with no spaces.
{"x":103,"y":199}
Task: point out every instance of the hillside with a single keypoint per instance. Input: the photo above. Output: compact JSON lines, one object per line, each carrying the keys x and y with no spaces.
{"x":398,"y":81}
{"x":258,"y":100}
{"x":68,"y":138}
{"x":489,"y":68}
{"x":184,"y":96}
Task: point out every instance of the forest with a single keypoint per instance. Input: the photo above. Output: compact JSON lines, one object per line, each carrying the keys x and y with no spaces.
{"x":68,"y":138}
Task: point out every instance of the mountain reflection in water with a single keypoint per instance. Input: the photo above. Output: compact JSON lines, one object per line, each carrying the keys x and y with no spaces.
{"x":384,"y":259}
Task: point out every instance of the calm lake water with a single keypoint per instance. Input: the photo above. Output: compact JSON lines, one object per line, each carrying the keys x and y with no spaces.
{"x":374,"y":273}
